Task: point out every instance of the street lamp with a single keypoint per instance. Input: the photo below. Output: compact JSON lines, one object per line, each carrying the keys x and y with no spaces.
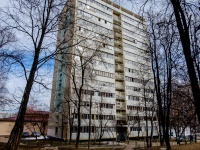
{"x":94,"y":90}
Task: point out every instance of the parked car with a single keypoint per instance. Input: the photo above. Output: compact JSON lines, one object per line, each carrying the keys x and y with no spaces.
{"x":25,"y":134}
{"x":36,"y":134}
{"x":183,"y":138}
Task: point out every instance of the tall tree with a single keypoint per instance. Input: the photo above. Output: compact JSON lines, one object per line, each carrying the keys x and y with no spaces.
{"x":6,"y":37}
{"x":183,"y":15}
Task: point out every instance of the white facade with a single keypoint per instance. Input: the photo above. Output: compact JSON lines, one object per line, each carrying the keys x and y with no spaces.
{"x":123,"y":82}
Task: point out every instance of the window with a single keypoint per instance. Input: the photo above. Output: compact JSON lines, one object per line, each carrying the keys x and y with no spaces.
{"x":99,"y":19}
{"x":56,"y":130}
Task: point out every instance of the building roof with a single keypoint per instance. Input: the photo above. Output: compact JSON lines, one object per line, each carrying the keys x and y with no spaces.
{"x":31,"y":116}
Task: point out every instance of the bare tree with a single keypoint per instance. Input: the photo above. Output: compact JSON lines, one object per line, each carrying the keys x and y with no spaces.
{"x":182,"y":113}
{"x":6,"y":37}
{"x":184,"y":12}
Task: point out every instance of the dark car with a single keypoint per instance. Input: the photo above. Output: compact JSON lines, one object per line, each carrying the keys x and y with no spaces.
{"x":182,"y":138}
{"x":36,"y":134}
{"x":25,"y":134}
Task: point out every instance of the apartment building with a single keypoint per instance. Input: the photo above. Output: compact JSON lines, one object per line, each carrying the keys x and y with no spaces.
{"x":111,"y":42}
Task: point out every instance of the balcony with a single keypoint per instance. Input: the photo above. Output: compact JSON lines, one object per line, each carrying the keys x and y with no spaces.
{"x":117,"y":42}
{"x":117,"y":27}
{"x":118,"y":50}
{"x":119,"y":68}
{"x":119,"y":59}
{"x":121,"y":116}
{"x":120,"y":86}
{"x":121,"y":106}
{"x":117,"y":35}
{"x":119,"y":76}
{"x":120,"y":96}
{"x":116,"y":18}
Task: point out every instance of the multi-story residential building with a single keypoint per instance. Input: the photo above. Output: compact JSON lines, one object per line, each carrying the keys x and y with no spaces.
{"x":118,"y":80}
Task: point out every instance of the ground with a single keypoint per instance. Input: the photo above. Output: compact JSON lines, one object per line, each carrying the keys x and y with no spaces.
{"x":131,"y":146}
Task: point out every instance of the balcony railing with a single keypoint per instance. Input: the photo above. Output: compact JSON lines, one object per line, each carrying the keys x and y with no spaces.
{"x":118,"y":42}
{"x":122,"y":107}
{"x":119,"y":68}
{"x":116,"y":18}
{"x":118,"y":59}
{"x":117,"y":35}
{"x":119,"y":76}
{"x":119,"y":87}
{"x":117,"y":27}
{"x":118,"y":50}
{"x":121,"y":117}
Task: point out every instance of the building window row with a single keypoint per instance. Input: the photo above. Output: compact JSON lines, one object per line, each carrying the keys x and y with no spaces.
{"x":98,"y":117}
{"x":141,"y":31}
{"x":149,"y":91}
{"x":137,"y":98}
{"x":133,"y":34}
{"x":106,"y":105}
{"x":131,"y":70}
{"x":128,"y":32}
{"x":106,"y":129}
{"x":129,"y":18}
{"x":104,"y":74}
{"x":148,"y":99}
{"x":130,"y":79}
{"x":89,"y":16}
{"x":105,"y":94}
{"x":133,"y":98}
{"x":84,"y":129}
{"x":141,"y":118}
{"x":100,"y":63}
{"x":129,"y":39}
{"x":94,"y":9}
{"x":105,"y":117}
{"x":95,"y":27}
{"x":130,"y":62}
{"x":137,"y":56}
{"x":100,"y":5}
{"x":140,"y":108}
{"x":107,"y":55}
{"x":135,"y":129}
{"x":105,"y":84}
{"x":134,"y":48}
{"x":91,"y":92}
{"x":132,"y":88}
{"x":87,"y":104}
{"x":143,"y":67}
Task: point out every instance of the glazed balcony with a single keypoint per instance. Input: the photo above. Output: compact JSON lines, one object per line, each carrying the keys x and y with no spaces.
{"x":119,"y":76}
{"x":119,"y":59}
{"x":121,"y":106}
{"x":120,"y":86}
{"x":117,"y":42}
{"x":119,"y":68}
{"x":117,"y":27}
{"x":121,"y":116}
{"x":116,"y":18}
{"x":118,"y":50}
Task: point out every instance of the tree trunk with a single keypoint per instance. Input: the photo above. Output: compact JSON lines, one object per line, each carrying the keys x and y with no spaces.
{"x":185,"y":40}
{"x":15,"y":136}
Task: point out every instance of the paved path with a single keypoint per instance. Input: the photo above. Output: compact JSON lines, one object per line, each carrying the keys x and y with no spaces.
{"x":135,"y":144}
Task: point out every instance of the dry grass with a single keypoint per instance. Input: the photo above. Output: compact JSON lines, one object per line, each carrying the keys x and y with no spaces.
{"x":193,"y":146}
